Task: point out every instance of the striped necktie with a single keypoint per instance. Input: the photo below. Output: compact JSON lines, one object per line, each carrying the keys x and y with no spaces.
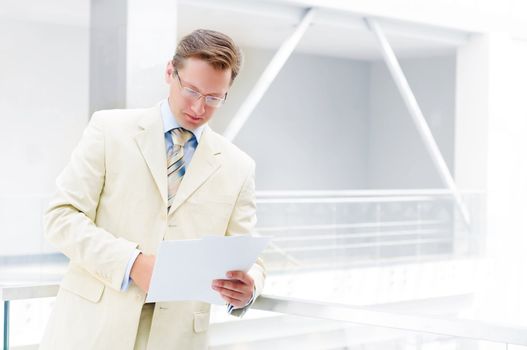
{"x":176,"y":162}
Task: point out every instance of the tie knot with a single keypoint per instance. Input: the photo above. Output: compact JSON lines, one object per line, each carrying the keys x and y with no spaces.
{"x":180,"y":136}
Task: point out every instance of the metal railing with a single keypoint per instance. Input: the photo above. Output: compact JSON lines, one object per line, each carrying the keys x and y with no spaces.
{"x":456,"y":328}
{"x":356,"y":226}
{"x":337,"y":229}
{"x":332,"y":229}
{"x":22,"y":292}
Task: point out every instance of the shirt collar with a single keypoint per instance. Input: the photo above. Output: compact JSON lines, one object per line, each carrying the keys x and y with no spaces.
{"x":169,"y":121}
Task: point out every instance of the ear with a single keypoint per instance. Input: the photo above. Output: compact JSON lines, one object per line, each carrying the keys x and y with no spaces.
{"x":169,"y":72}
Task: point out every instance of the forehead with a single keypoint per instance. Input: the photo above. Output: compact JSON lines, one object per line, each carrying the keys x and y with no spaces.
{"x":201,"y":75}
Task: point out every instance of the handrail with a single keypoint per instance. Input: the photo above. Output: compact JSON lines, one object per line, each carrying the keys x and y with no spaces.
{"x":365,"y":245}
{"x":371,"y":234}
{"x":466,"y":329}
{"x":439,"y":192}
{"x":319,"y":227}
{"x":18,"y":292}
{"x":335,"y":200}
{"x":356,"y":196}
{"x":32,"y":291}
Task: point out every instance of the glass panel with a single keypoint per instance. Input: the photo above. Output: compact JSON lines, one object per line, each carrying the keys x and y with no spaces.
{"x":27,"y":321}
{"x":371,"y":247}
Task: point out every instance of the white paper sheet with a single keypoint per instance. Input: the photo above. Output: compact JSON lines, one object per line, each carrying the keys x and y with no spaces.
{"x":185,"y":269}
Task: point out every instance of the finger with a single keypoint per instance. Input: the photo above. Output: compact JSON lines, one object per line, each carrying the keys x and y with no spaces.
{"x":233,"y":285}
{"x":230,"y":293}
{"x":231,"y":297}
{"x":234,"y":302}
{"x":240,"y":276}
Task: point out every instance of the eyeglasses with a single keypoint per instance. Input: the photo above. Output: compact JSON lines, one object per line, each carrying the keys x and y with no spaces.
{"x":211,"y":101}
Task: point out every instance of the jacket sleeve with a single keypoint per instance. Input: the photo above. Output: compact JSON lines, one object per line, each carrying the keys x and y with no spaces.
{"x":243,"y":221}
{"x":69,"y":221}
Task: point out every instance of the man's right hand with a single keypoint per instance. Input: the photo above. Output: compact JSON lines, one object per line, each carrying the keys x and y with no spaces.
{"x":141,"y":272}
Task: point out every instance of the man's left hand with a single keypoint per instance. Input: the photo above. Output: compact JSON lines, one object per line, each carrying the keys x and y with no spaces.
{"x":237,"y":290}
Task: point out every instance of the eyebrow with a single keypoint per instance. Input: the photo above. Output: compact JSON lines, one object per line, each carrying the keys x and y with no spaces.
{"x":193,"y":87}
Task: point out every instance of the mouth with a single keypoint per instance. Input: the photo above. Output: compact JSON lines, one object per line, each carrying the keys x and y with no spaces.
{"x":193,"y":118}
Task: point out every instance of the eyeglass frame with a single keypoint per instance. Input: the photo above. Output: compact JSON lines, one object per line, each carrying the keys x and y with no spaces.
{"x":196,"y":95}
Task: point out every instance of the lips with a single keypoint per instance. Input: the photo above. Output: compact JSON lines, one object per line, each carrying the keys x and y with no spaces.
{"x":192,"y":117}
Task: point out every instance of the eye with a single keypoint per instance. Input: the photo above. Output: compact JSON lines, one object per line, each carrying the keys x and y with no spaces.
{"x":214,"y":101}
{"x":192,"y":92}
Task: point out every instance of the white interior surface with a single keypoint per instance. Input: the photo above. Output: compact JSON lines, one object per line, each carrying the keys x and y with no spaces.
{"x":331,"y":120}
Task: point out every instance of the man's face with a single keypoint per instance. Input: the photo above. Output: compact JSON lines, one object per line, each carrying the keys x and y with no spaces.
{"x":198,"y":76}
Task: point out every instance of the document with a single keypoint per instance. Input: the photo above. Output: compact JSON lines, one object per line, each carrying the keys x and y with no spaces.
{"x":185,"y":269}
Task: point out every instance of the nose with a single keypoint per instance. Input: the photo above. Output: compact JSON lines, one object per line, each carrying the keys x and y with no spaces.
{"x":198,"y":106}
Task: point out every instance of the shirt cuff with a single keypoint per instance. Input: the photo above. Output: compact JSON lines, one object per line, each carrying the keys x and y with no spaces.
{"x":126,"y":280}
{"x":231,"y":308}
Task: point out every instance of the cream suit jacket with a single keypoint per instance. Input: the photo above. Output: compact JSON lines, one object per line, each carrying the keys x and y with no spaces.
{"x":112,"y":198}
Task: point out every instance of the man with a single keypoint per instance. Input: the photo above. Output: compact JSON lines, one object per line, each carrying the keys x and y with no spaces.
{"x":139,"y":177}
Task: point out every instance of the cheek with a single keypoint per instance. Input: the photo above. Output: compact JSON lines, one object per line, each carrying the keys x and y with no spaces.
{"x":184,"y":105}
{"x":208,"y":114}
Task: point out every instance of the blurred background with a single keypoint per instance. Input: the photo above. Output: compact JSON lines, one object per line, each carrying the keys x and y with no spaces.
{"x":389,"y":138}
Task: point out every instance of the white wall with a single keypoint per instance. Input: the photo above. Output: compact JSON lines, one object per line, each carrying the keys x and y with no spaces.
{"x":43,"y":110}
{"x":341,"y":123}
{"x":43,"y":99}
{"x":321,"y":125}
{"x":309,"y":132}
{"x":397,"y":157}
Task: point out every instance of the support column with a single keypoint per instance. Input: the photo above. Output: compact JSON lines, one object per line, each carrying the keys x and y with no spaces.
{"x":491,"y":151}
{"x":107,"y":75}
{"x":130,"y":43}
{"x":151,"y":42}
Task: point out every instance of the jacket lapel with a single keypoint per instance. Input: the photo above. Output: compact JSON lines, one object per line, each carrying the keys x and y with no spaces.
{"x":205,"y":161}
{"x":151,"y":142}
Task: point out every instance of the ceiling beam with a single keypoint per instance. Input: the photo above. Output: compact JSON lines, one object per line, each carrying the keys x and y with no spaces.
{"x":268,"y":76}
